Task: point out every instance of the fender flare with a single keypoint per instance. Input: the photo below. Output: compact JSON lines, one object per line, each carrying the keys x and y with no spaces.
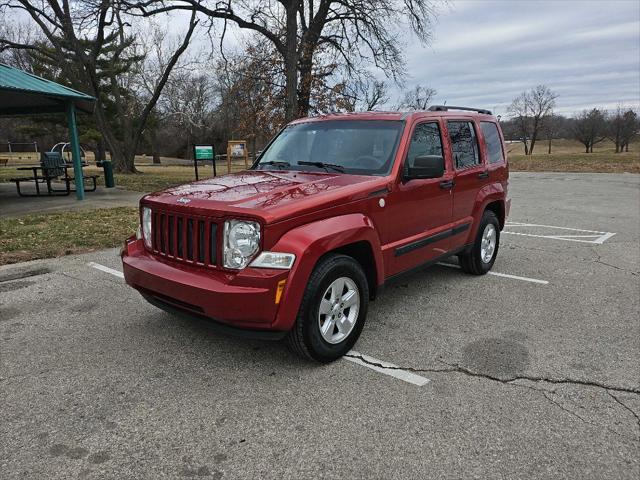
{"x":486,"y":195}
{"x":309,"y":243}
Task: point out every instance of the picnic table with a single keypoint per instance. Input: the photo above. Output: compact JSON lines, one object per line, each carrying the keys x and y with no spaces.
{"x":52,"y":168}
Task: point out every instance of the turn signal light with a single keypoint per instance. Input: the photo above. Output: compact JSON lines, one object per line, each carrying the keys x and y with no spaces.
{"x":279,"y":290}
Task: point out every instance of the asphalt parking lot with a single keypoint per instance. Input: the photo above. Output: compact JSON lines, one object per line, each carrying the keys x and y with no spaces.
{"x":531,"y":374}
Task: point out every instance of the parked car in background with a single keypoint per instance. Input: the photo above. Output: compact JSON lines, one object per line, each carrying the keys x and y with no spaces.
{"x":334,"y":208}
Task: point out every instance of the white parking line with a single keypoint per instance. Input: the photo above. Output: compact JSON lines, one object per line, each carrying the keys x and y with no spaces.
{"x":386,"y":368}
{"x":592,"y":236}
{"x":97,"y":266}
{"x":503,"y":275}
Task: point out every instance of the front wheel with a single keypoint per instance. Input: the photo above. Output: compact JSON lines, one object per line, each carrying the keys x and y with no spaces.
{"x":333,"y":310}
{"x":480,"y":258}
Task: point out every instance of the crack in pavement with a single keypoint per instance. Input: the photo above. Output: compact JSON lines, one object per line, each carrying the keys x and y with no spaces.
{"x":455,"y":368}
{"x":572,"y":413}
{"x":564,"y":381}
{"x":626,"y":407}
{"x":599,"y":260}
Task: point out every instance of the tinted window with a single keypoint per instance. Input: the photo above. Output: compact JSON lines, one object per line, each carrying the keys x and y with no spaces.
{"x":492,"y":139}
{"x":360,"y":147}
{"x":425,"y":141}
{"x":463,"y":144}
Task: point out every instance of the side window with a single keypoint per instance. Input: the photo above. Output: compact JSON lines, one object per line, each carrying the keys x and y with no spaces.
{"x":464,"y":144}
{"x":425,"y":141}
{"x":492,"y":139}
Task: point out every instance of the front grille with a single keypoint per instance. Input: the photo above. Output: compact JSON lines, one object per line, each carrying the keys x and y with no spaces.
{"x":185,"y":238}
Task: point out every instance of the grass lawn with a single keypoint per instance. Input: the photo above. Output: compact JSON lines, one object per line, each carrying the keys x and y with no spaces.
{"x":600,"y":162}
{"x":55,"y":234}
{"x":150,"y":178}
{"x":569,"y":156}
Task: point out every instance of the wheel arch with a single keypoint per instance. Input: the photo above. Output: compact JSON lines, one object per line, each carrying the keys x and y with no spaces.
{"x":362,"y":253}
{"x":352,"y":234}
{"x":497,"y":207}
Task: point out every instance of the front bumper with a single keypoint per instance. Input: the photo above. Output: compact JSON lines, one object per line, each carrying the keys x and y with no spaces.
{"x":240,"y":300}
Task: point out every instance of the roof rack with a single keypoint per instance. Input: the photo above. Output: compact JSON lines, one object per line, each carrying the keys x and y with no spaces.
{"x":446,"y":108}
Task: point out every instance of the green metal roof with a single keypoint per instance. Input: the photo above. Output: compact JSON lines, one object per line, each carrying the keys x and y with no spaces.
{"x":25,"y":93}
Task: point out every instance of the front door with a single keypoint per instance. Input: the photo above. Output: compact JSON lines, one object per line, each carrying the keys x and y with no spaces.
{"x":419,"y":211}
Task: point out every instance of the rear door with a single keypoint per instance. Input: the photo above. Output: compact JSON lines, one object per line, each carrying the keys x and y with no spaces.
{"x":470,"y":174}
{"x":419,"y":211}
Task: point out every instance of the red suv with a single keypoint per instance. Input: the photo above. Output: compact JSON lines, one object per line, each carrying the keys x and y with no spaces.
{"x":334,"y":207}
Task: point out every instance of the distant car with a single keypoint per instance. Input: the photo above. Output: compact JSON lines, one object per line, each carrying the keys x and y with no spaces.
{"x":334,"y":208}
{"x":64,"y":148}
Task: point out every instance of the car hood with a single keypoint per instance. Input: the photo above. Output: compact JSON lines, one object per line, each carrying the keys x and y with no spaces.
{"x":272,"y":195}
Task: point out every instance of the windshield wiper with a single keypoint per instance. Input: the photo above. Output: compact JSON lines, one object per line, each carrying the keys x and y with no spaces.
{"x":275,"y":163}
{"x":326,"y":166}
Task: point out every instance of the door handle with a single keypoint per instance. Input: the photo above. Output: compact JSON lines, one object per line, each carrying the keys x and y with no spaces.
{"x":446,"y":184}
{"x":484,"y":174}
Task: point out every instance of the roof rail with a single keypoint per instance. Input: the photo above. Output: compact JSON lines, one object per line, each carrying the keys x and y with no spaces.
{"x":446,"y":108}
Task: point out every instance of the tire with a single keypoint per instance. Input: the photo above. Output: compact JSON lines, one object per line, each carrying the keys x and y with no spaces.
{"x":306,"y":339}
{"x":473,"y":261}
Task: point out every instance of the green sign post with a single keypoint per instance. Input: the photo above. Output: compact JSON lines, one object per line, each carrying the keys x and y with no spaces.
{"x":204,"y":152}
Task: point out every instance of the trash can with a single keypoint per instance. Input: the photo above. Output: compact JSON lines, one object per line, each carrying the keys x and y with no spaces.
{"x":107,"y":166}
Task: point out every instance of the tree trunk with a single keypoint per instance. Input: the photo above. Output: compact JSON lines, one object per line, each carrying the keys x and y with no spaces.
{"x":549,"y":146}
{"x":306,"y":79}
{"x":626,"y":147}
{"x":534,"y":136}
{"x":291,"y":62}
{"x":102,"y":154}
{"x":154,"y":148}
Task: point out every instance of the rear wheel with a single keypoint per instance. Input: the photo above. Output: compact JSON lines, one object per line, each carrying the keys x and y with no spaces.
{"x":333,"y":310}
{"x":480,"y":258}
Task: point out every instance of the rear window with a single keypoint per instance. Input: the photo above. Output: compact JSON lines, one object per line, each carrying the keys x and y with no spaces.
{"x":464,"y":144}
{"x":492,"y":139}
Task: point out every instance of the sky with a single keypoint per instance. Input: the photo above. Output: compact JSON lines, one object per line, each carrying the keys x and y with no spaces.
{"x":484,"y":53}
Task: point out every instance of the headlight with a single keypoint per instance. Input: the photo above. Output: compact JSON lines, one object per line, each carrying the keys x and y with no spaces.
{"x":241,"y":242}
{"x":146,"y":226}
{"x":279,"y":260}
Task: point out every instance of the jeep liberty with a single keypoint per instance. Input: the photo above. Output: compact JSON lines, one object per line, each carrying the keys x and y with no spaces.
{"x":333,"y":208}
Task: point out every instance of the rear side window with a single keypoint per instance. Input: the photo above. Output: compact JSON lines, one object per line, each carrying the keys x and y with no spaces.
{"x":425,"y":141}
{"x":464,"y":144}
{"x":492,"y":139}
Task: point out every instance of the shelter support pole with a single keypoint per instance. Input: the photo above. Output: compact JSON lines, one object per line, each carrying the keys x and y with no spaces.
{"x":75,"y":151}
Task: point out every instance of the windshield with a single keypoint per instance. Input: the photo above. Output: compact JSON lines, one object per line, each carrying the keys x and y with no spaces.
{"x":357,"y":147}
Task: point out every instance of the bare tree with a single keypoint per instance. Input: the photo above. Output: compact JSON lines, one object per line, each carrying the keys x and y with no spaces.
{"x":615,"y":125}
{"x":302,"y":30}
{"x":366,"y":94}
{"x":91,"y":43}
{"x":418,"y":98}
{"x":590,"y":127}
{"x":552,"y":126}
{"x":373,"y":95}
{"x":630,"y":129}
{"x":13,"y":35}
{"x":530,"y":109}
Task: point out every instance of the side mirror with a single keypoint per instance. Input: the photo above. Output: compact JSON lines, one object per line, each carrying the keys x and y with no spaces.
{"x":426,"y":166}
